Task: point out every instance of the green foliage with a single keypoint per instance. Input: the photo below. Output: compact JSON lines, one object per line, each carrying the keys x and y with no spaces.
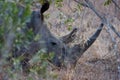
{"x":47,"y":16}
{"x":79,"y":7}
{"x":107,"y":2}
{"x":14,"y":15}
{"x":69,"y":22}
{"x":58,"y":3}
{"x":40,"y":62}
{"x":37,"y":37}
{"x":12,"y":23}
{"x":1,"y":36}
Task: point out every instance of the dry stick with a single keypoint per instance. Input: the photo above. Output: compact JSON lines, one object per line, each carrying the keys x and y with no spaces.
{"x":114,"y":2}
{"x":103,"y":18}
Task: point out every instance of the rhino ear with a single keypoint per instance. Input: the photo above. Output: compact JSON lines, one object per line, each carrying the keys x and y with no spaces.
{"x":45,"y":7}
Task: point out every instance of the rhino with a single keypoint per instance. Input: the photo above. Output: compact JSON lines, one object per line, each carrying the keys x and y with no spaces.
{"x":64,"y":55}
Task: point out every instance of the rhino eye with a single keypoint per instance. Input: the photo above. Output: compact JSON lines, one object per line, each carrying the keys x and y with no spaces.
{"x":53,"y":43}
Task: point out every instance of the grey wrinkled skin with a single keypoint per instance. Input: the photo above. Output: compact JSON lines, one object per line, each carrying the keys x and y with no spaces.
{"x":64,"y":55}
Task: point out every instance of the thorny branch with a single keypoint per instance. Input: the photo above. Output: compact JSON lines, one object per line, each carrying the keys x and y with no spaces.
{"x":103,"y":18}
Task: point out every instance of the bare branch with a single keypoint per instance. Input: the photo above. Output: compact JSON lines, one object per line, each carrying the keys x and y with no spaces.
{"x":103,"y":18}
{"x":91,"y":6}
{"x":116,"y":52}
{"x":116,"y":5}
{"x":69,"y":37}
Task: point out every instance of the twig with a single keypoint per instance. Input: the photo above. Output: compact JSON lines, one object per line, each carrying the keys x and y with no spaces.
{"x":81,"y":3}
